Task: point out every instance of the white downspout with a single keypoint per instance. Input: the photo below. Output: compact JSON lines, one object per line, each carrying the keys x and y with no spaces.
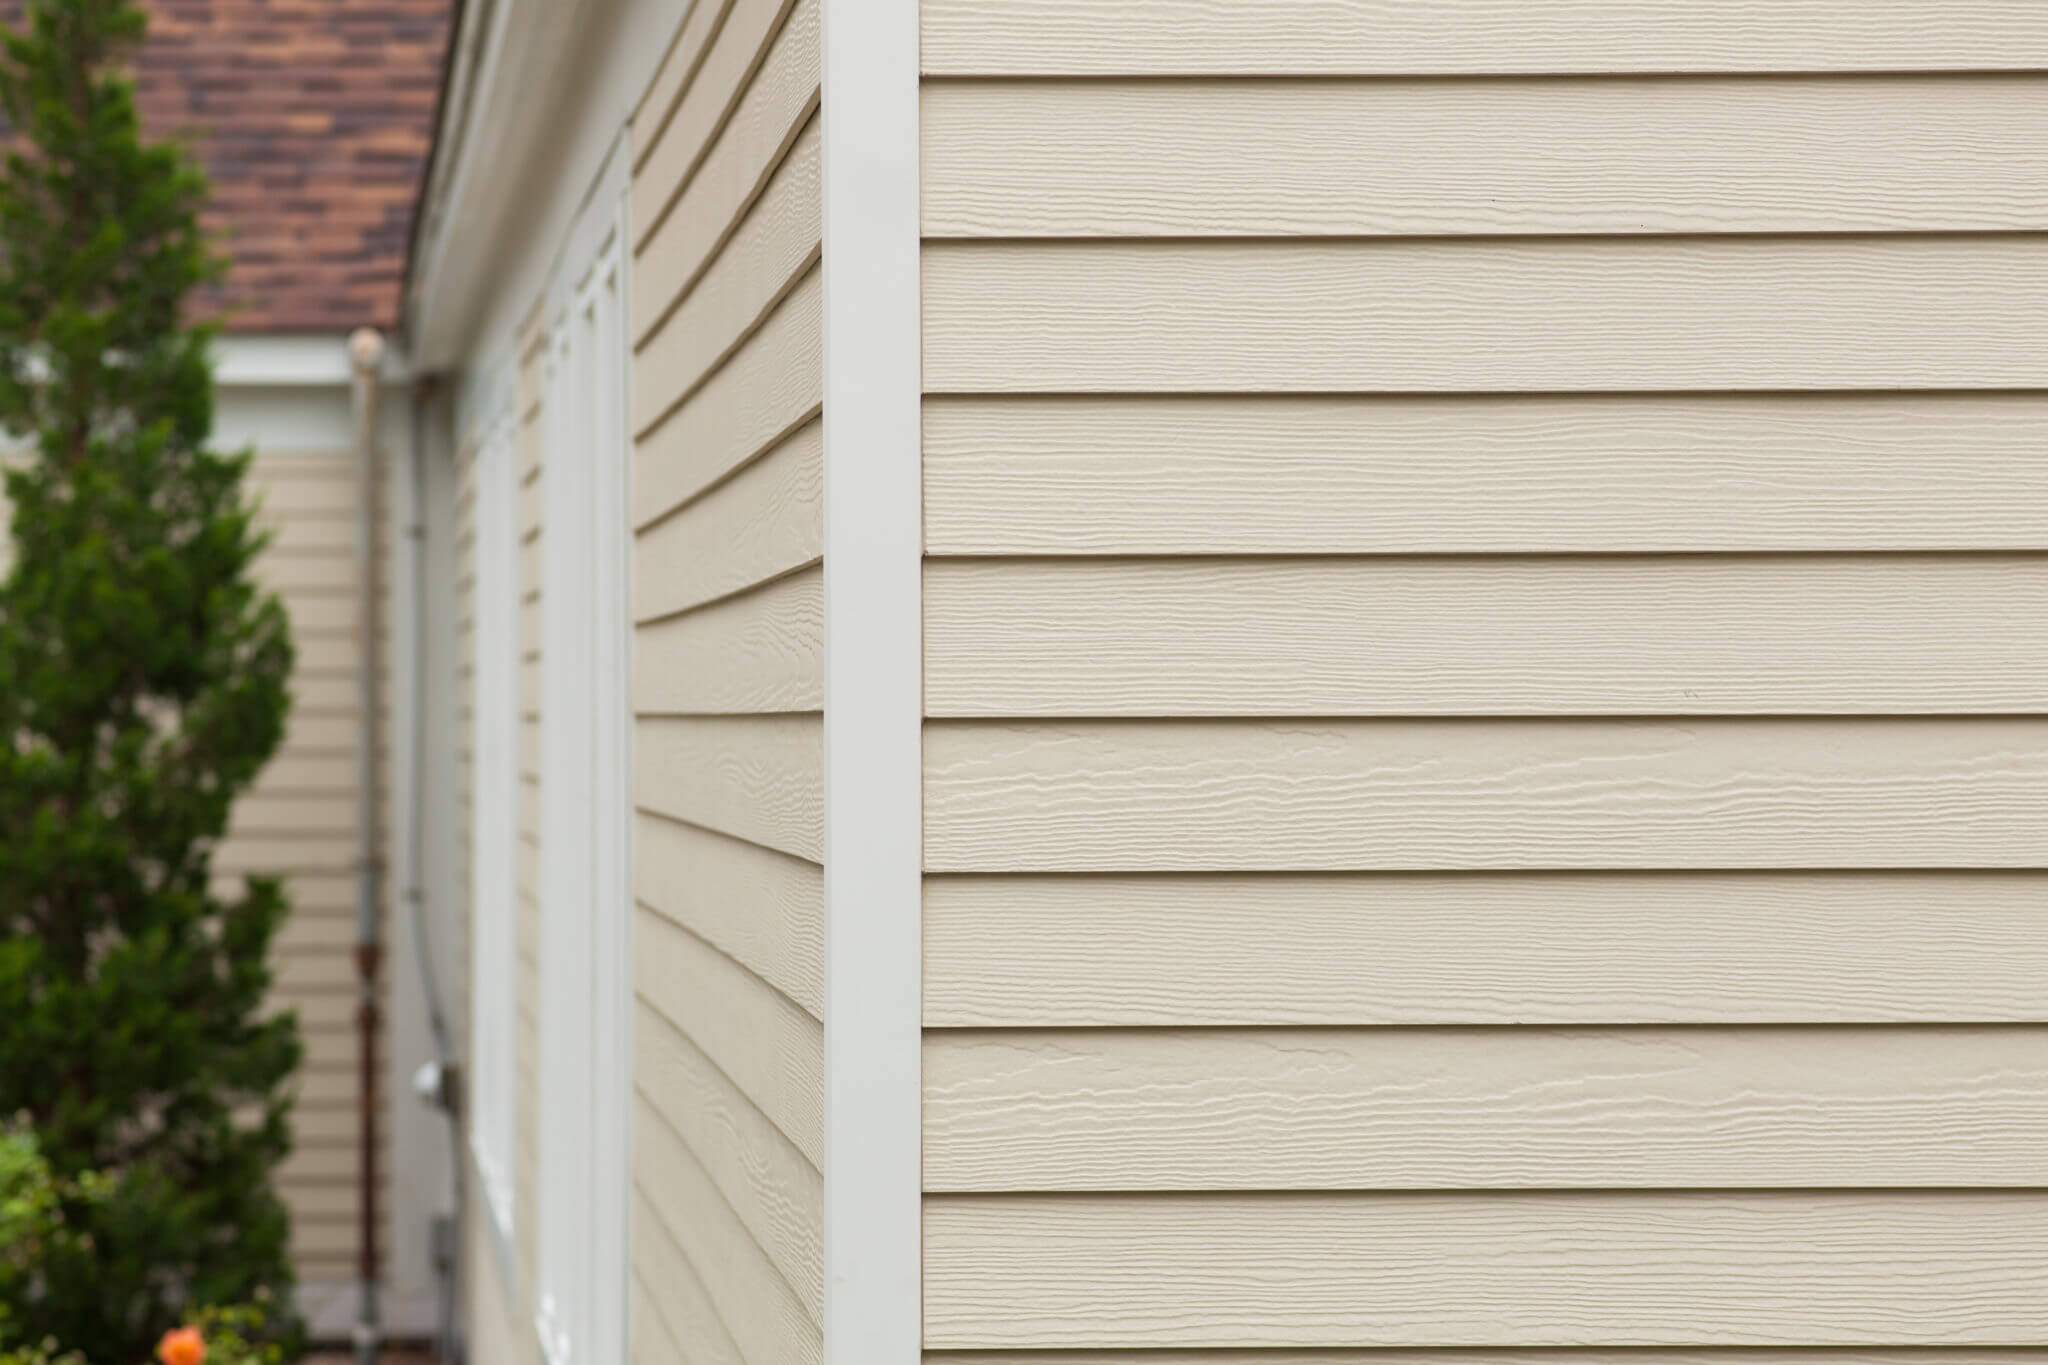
{"x":366,"y":355}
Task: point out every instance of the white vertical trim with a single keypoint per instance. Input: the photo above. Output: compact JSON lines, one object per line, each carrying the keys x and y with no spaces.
{"x":586,"y":909}
{"x":494,"y":833}
{"x":873,"y":683}
{"x":603,"y":311}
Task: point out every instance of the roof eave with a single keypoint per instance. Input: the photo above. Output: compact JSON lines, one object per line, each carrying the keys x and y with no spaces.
{"x":510,"y":63}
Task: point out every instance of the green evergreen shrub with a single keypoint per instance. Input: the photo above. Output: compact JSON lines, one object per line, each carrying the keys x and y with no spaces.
{"x":143,"y":685}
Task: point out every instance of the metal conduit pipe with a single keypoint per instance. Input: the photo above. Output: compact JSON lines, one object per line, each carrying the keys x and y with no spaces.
{"x":366,"y":356}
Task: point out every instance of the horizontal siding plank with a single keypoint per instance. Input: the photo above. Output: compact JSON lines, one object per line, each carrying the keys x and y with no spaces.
{"x":762,"y":394}
{"x":776,"y":1193}
{"x":751,"y":1299}
{"x":1359,"y":1109}
{"x":1422,"y":474}
{"x":772,"y":247}
{"x":1502,"y":1269}
{"x":735,"y":168}
{"x":1602,"y":155}
{"x":759,"y":778}
{"x":287,"y":854}
{"x":653,"y":1342}
{"x":676,"y":1291}
{"x":1485,"y":948}
{"x":768,"y":1047}
{"x":1665,"y":635}
{"x":294,"y":813}
{"x":762,"y":651}
{"x":1396,"y":37}
{"x":765,"y":520}
{"x":307,"y":572}
{"x":763,"y":909}
{"x":324,"y":533}
{"x":1610,"y":313}
{"x":1418,"y":795}
{"x":736,"y":48}
{"x":305,"y":770}
{"x":678,"y":70}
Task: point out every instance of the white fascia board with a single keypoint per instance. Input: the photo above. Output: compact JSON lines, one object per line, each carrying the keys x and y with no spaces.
{"x":524,"y":55}
{"x":299,"y":360}
{"x":873,"y":684}
{"x":542,"y":93}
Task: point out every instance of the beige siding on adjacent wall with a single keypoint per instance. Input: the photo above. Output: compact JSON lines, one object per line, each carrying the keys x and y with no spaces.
{"x":1486,"y":791}
{"x":728,"y":687}
{"x":300,"y":821}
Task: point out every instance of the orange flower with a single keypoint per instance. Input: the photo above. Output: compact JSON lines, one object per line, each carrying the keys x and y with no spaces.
{"x":182,"y":1346}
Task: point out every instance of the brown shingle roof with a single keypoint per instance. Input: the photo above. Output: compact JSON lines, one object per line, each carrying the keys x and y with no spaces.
{"x":314,"y":118}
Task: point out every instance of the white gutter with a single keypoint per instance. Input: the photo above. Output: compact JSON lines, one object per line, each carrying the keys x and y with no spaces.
{"x":516,"y":62}
{"x":304,"y":360}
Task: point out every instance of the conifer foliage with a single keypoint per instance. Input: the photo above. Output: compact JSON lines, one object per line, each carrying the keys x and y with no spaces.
{"x":143,"y":678}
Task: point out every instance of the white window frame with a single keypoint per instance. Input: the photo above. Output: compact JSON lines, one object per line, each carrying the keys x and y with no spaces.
{"x":586,"y":907}
{"x":494,"y":827}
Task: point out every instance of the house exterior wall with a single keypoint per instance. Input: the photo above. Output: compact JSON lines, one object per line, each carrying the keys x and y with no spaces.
{"x":1484,"y":787}
{"x":727,"y":1214}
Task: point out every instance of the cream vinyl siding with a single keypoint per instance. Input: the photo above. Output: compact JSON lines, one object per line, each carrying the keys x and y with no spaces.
{"x":300,"y":821}
{"x":1485,"y":790}
{"x":728,"y":688}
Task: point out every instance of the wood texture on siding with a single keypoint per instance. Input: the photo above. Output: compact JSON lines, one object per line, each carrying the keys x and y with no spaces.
{"x":1631,"y":313}
{"x":753,"y":1301}
{"x":1396,"y":37}
{"x":762,"y":651}
{"x":759,"y":1173}
{"x":1434,"y":474}
{"x":1478,"y":636}
{"x":763,"y":909}
{"x":734,"y":171}
{"x":1224,"y":796}
{"x":690,"y":126}
{"x":1662,"y":947}
{"x":757,"y":778}
{"x":1327,"y":1109}
{"x":1534,"y":1269}
{"x":767,"y":1045}
{"x":1605,"y":155}
{"x":766,"y":255}
{"x":678,"y":70}
{"x":761,"y":395}
{"x":765,"y":521}
{"x":1485,"y":752}
{"x":675,"y":1291}
{"x":649,"y":1332}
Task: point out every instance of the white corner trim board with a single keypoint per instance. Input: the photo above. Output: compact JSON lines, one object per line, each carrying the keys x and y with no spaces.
{"x":873,"y":703}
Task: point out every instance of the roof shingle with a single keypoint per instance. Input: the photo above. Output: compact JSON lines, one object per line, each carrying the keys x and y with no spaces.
{"x":314,"y":119}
